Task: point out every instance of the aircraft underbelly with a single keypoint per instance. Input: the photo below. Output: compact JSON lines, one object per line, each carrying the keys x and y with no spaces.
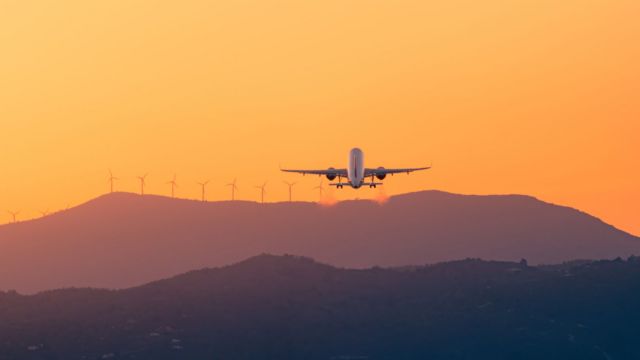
{"x":355,"y":171}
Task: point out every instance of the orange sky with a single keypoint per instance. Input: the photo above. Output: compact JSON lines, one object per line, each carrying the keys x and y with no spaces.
{"x":538,"y":97}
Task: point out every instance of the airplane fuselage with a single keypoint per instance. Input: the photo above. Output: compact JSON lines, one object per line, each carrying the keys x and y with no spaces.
{"x":355,"y":171}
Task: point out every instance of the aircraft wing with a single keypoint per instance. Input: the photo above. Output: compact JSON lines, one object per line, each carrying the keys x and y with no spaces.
{"x":383,"y":171}
{"x":336,"y":172}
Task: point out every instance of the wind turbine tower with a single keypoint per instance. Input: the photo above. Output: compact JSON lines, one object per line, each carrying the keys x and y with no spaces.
{"x":14,"y":215}
{"x":290,"y":185}
{"x":111,"y":180}
{"x":143,"y":182}
{"x":233,"y":189}
{"x":203,"y":185}
{"x":262,"y":191}
{"x":320,"y":188}
{"x":174,"y":185}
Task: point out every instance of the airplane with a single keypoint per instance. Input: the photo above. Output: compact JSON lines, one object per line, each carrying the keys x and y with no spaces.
{"x":356,"y":173}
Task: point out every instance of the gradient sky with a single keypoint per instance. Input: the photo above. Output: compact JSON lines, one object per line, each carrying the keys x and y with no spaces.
{"x":538,"y":97}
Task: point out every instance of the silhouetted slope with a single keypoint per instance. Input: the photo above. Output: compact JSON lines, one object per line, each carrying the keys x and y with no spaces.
{"x":291,"y":308}
{"x":122,"y":239}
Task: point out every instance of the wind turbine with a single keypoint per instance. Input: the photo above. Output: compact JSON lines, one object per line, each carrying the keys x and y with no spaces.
{"x":262,"y":191}
{"x":174,"y":185}
{"x":111,"y":180}
{"x":44,"y":213}
{"x":143,"y":182}
{"x":320,"y":188}
{"x":290,"y":184}
{"x":203,"y":184}
{"x":14,"y":214}
{"x":233,"y":189}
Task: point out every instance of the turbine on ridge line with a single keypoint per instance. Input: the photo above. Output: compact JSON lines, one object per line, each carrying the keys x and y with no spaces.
{"x":174,"y":185}
{"x":290,"y":184}
{"x":111,"y":180}
{"x":203,"y":184}
{"x":44,"y":213}
{"x":14,"y":214}
{"x":233,"y":189}
{"x":320,"y":188}
{"x":262,"y":191}
{"x":143,"y":182}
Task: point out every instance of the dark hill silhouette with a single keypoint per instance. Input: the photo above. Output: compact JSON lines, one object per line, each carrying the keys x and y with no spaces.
{"x":122,"y":239}
{"x":287,"y":307}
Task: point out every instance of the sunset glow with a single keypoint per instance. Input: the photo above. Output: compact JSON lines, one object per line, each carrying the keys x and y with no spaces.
{"x":534,"y":97}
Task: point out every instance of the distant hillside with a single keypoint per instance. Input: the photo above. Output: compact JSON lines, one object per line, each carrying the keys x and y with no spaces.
{"x":123,"y":239}
{"x":272,"y":307}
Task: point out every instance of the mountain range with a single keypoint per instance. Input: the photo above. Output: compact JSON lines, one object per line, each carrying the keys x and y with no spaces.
{"x":286,"y":307}
{"x":122,"y":240}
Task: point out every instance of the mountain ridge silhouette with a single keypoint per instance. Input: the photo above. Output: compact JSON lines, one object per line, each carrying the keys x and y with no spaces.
{"x":122,"y":239}
{"x":291,"y":307}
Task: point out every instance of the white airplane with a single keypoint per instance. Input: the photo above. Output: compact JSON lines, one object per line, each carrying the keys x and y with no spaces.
{"x":356,"y":173}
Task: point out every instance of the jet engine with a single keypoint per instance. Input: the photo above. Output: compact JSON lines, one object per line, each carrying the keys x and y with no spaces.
{"x":331,"y":175}
{"x":381,"y":176}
